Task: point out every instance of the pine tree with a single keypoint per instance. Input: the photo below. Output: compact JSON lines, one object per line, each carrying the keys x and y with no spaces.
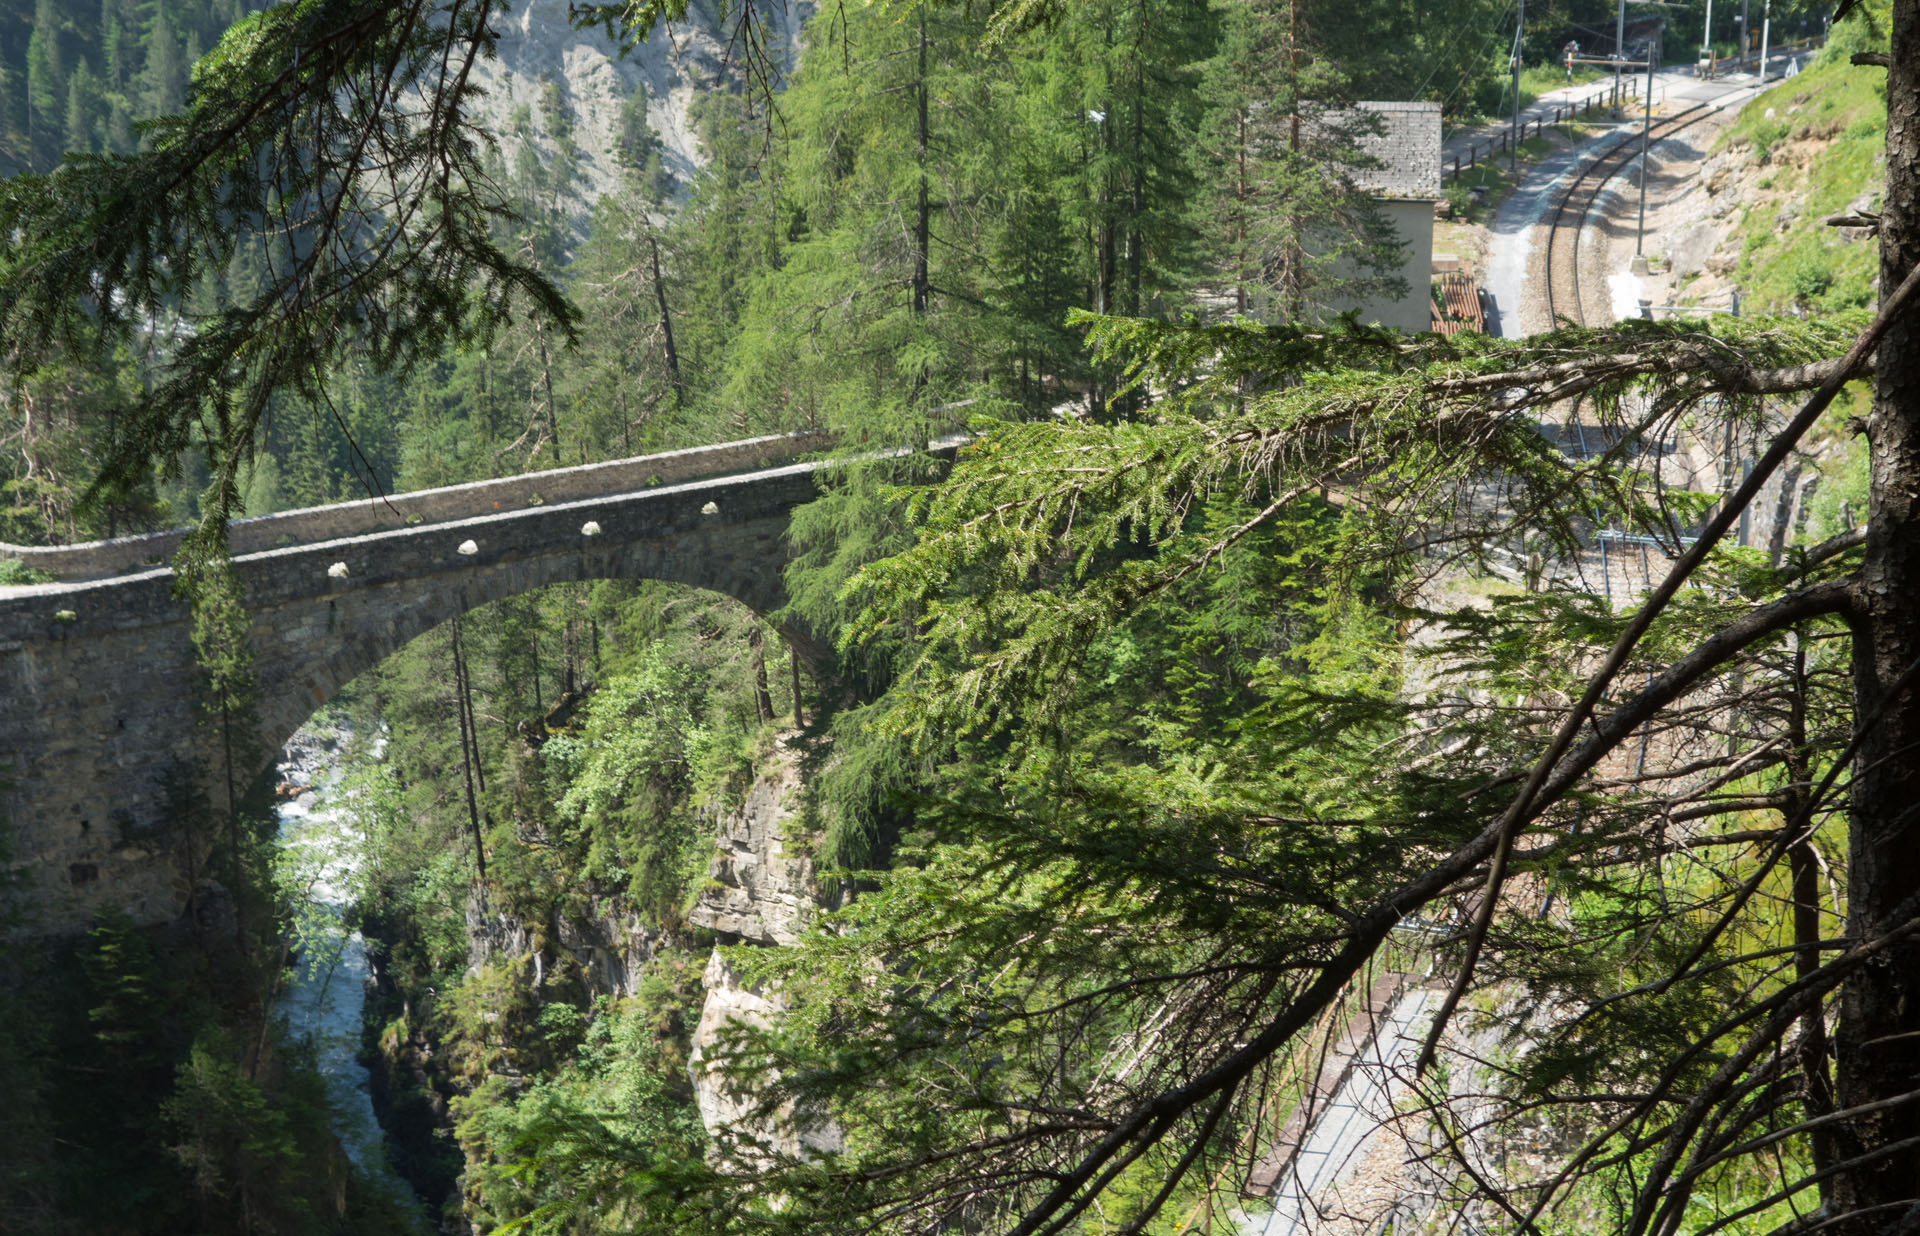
{"x":83,"y":107}
{"x":162,"y":88}
{"x":46,"y":87}
{"x":189,"y":199}
{"x":1280,"y":147}
{"x":14,"y":146}
{"x":120,"y":134}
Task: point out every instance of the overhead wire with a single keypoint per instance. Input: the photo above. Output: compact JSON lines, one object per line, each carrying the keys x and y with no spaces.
{"x":1460,"y":75}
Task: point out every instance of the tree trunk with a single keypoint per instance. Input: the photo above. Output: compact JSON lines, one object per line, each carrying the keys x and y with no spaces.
{"x":533,"y":649}
{"x":567,"y":653}
{"x":1817,"y":1096}
{"x":467,"y":761}
{"x":233,"y":818}
{"x":666,"y":322}
{"x":922,"y":229}
{"x":1239,"y":230}
{"x":546,"y":382}
{"x":762,"y":696}
{"x":470,"y":732}
{"x":1878,"y":1035}
{"x":1137,"y":194}
{"x":793,"y":671}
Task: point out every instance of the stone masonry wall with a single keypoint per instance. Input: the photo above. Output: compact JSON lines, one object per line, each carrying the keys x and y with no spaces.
{"x":100,"y":559}
{"x":99,"y":729}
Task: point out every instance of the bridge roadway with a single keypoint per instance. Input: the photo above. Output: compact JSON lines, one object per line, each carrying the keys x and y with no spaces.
{"x":101,"y":737}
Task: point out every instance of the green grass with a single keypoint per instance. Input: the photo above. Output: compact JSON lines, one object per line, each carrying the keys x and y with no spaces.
{"x":1803,"y":264}
{"x":1534,"y":82}
{"x":13,"y":572}
{"x":1538,"y":79}
{"x":1491,"y":174}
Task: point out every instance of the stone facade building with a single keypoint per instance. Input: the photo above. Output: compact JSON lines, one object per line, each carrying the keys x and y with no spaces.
{"x":1403,"y":179}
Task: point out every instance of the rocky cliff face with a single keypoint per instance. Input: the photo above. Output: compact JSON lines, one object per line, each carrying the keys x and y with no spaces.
{"x":761,"y":887}
{"x":762,"y":890}
{"x":595,"y":78}
{"x":608,"y":943}
{"x":743,"y":1138}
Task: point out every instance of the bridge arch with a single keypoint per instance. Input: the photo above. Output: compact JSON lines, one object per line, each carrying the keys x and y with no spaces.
{"x":99,"y":675}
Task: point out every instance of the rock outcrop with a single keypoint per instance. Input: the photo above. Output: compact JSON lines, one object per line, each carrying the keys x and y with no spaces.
{"x":608,"y":944}
{"x":743,"y":1138}
{"x":594,"y":79}
{"x":761,"y":887}
{"x":762,"y":891}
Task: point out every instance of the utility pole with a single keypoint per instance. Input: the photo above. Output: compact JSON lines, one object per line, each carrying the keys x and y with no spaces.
{"x":1766,"y":31}
{"x":1519,"y":31}
{"x":1646,"y":145}
{"x":1706,"y":34}
{"x":1619,"y":45}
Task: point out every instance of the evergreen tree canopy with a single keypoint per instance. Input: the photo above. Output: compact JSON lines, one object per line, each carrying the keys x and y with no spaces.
{"x":1196,"y":716}
{"x":337,"y":127}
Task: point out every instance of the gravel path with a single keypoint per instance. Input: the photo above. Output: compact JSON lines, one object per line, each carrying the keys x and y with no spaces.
{"x":1517,"y":232}
{"x":1314,"y":1190}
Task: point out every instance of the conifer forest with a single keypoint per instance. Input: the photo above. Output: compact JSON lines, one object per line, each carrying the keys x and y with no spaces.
{"x":1283,"y":617}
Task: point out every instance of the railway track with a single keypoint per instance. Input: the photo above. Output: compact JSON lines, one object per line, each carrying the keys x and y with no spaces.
{"x":1616,"y":565}
{"x":1561,"y":273}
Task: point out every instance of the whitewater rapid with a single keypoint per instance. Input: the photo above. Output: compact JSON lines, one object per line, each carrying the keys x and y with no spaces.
{"x":322,"y":852}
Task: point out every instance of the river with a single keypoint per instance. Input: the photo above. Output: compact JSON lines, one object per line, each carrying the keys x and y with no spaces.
{"x":321,"y":853}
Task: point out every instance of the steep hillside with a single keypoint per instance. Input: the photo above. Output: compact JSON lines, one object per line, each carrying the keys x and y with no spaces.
{"x":569,"y":95}
{"x":1811,"y":148}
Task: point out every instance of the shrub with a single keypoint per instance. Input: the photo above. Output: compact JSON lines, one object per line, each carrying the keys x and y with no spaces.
{"x":13,"y":571}
{"x":1811,"y":277}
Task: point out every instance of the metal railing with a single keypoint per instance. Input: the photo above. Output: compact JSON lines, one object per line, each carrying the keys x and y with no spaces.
{"x":1491,"y":147}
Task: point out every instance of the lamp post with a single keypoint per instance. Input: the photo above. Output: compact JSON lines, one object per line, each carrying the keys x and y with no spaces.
{"x":1766,"y":31}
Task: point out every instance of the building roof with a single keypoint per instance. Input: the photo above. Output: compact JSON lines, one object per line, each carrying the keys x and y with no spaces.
{"x":1406,"y":149}
{"x":1456,"y":304}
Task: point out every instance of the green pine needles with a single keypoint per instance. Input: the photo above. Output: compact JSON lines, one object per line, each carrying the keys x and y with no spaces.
{"x":330,"y":136}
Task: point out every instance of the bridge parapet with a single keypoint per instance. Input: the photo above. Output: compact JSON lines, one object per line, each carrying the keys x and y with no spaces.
{"x":364,"y":516}
{"x":105,"y":753}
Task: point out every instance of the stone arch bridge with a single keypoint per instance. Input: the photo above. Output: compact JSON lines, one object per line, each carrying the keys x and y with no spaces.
{"x":97,"y":702}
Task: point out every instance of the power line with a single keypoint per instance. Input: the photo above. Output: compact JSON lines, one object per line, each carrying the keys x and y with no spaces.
{"x":1486,"y":49}
{"x":1461,"y":33}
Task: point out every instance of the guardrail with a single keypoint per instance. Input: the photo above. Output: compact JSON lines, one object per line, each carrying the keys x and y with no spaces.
{"x":1713,"y":66}
{"x":1626,"y":87}
{"x":101,"y":559}
{"x":1611,"y":95}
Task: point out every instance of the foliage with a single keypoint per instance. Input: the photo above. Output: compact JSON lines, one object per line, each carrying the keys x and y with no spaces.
{"x":1830,"y":121}
{"x":612,"y":1137}
{"x":1297,"y":242}
{"x":639,"y":754}
{"x":1161,"y":713}
{"x":116,"y":237}
{"x":133,"y":1058}
{"x":1172,"y":821}
{"x":14,"y":573}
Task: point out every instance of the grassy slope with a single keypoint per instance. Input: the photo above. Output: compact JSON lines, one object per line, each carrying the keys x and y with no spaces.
{"x":1822,"y":137}
{"x":1823,"y":148}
